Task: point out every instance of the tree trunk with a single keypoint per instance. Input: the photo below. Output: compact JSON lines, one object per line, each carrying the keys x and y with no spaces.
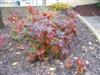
{"x":1,"y":20}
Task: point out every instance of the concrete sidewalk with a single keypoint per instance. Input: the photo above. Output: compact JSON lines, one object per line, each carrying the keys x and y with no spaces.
{"x":95,"y":23}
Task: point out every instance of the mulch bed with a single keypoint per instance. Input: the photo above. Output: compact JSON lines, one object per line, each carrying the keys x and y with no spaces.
{"x":85,"y":44}
{"x":13,"y":61}
{"x":88,"y":10}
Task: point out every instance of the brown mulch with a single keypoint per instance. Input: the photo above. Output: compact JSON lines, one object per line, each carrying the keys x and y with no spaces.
{"x":88,"y":10}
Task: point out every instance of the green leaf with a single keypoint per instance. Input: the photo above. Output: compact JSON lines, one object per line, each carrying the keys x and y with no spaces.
{"x":33,"y":49}
{"x":25,"y":30}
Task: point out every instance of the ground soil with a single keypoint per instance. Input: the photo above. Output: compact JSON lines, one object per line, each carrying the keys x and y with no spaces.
{"x":13,"y":61}
{"x":88,"y":10}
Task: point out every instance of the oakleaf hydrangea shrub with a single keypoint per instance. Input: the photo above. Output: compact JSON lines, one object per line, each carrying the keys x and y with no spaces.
{"x":48,"y":34}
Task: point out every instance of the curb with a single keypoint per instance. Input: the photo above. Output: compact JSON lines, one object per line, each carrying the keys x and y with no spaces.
{"x":89,"y":26}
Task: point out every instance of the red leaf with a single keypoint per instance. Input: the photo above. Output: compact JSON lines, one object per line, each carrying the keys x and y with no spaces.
{"x":20,"y":25}
{"x":32,"y":10}
{"x":80,"y":62}
{"x":1,"y":40}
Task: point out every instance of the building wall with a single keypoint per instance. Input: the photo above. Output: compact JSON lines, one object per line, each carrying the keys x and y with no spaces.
{"x":48,"y":2}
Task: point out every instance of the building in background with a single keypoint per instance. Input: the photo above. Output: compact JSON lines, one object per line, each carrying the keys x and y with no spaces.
{"x":11,"y":3}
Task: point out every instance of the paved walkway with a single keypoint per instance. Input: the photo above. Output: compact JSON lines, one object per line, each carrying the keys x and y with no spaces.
{"x":95,"y":22}
{"x":90,"y":15}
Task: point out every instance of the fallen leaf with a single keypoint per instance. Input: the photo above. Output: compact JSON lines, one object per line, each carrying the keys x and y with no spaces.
{"x":83,"y":54}
{"x":91,"y":47}
{"x":9,"y":44}
{"x":87,"y":62}
{"x":11,"y":49}
{"x":18,"y":52}
{"x":21,"y":47}
{"x":75,"y":58}
{"x":52,"y":68}
{"x":90,"y":43}
{"x":75,"y":72}
{"x":61,"y":63}
{"x":15,"y":63}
